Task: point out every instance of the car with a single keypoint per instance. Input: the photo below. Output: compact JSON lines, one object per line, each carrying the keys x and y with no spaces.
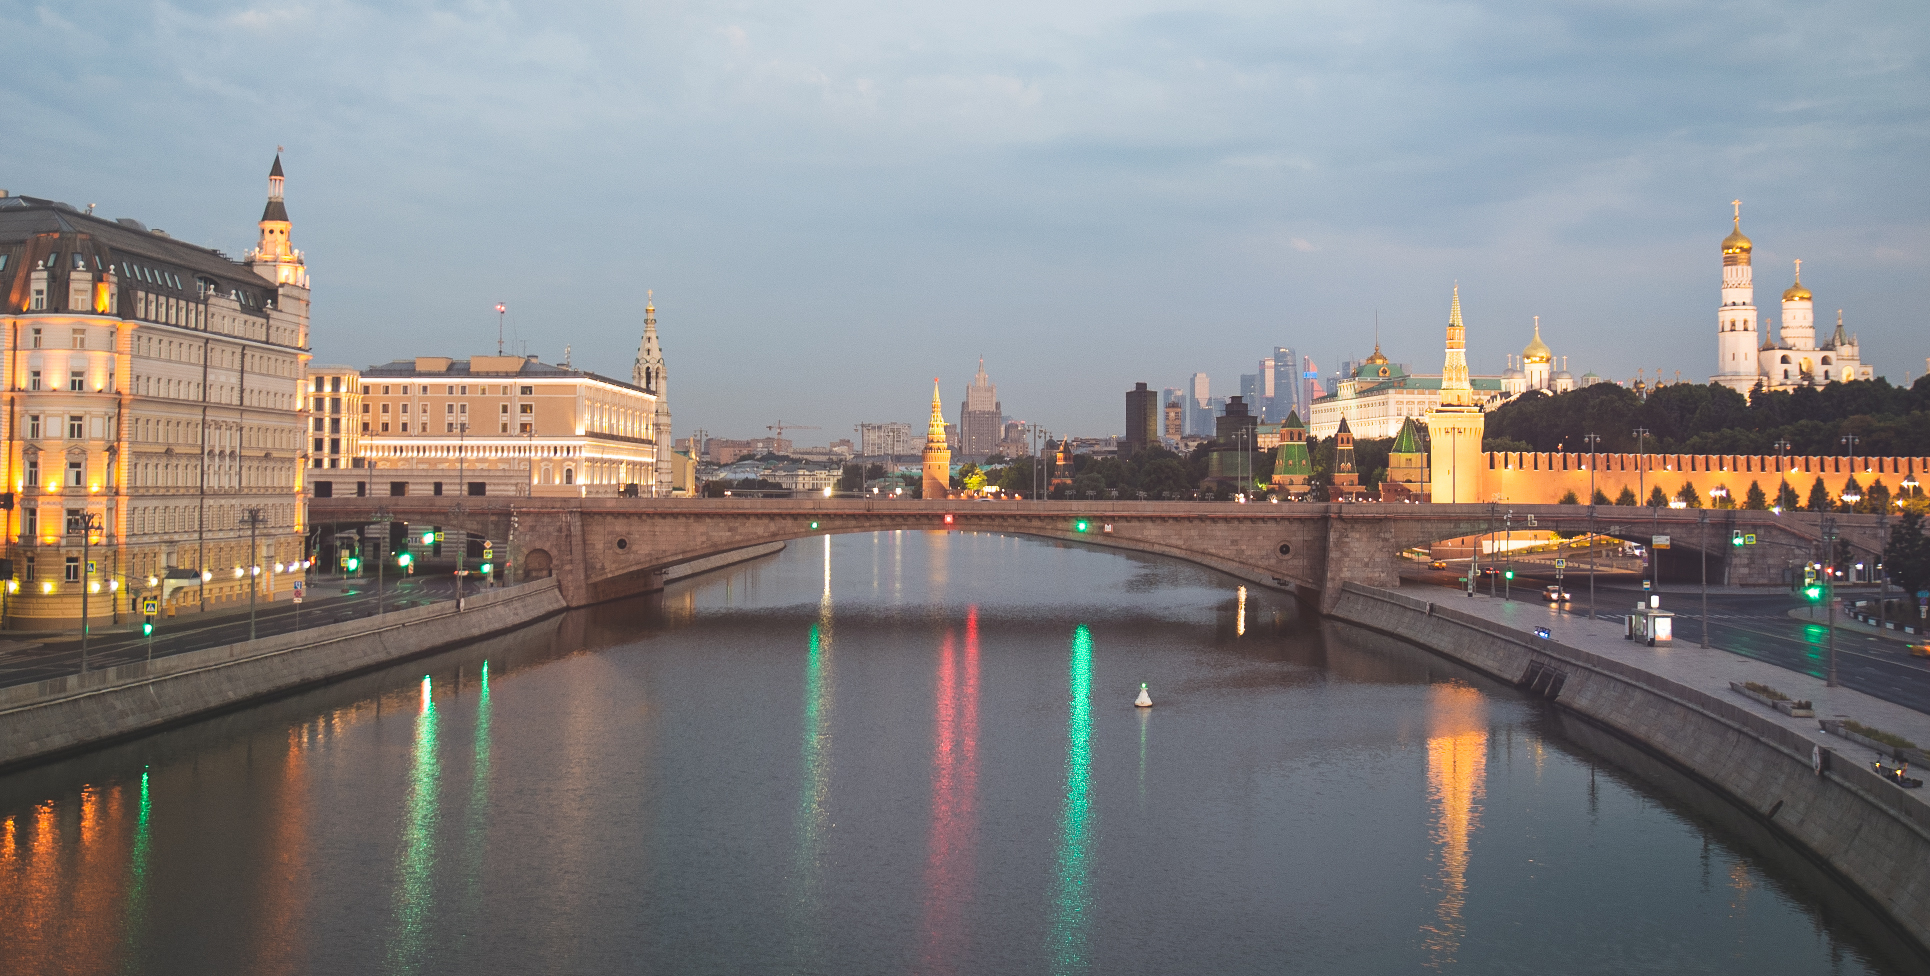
{"x":1920,"y":650}
{"x":1555,"y":594}
{"x":1438,"y":564}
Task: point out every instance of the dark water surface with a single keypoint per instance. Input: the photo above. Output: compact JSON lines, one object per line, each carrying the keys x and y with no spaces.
{"x":904,"y":753}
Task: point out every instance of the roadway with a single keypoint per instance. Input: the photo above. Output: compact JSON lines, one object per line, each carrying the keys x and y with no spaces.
{"x":123,"y":643}
{"x":1753,"y":623}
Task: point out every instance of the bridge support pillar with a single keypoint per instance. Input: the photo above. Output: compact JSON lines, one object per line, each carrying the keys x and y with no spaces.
{"x":1359,"y":550}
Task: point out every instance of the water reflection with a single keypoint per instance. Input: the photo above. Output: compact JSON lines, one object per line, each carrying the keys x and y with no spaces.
{"x":948,"y":867}
{"x":414,"y":890}
{"x":1071,"y":901}
{"x":815,"y":784}
{"x":1457,"y":761}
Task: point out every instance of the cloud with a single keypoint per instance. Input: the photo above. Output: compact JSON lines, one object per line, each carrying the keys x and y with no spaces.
{"x":829,"y":198}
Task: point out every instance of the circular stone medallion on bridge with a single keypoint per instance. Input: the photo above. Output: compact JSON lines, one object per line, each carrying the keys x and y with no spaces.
{"x":623,"y":543}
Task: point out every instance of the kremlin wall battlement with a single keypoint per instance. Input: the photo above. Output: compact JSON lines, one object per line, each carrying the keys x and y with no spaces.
{"x":1543,"y":478}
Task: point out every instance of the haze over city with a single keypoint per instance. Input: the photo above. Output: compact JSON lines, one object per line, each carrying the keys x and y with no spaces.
{"x":836,"y":204}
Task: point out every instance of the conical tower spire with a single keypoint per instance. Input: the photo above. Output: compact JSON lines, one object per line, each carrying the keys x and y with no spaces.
{"x":935,"y":431}
{"x":1455,"y":390}
{"x":937,"y":462}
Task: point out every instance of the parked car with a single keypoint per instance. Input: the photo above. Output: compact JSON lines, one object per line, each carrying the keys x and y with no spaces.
{"x":1555,"y":594}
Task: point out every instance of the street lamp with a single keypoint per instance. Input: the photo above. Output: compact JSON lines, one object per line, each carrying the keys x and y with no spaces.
{"x":1594,"y":441}
{"x":1641,"y":462}
{"x":253,"y":521}
{"x":87,"y":522}
{"x":1782,"y":475}
{"x":1720,"y":494}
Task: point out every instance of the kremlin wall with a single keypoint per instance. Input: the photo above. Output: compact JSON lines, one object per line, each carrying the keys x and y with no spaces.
{"x":1544,"y":478}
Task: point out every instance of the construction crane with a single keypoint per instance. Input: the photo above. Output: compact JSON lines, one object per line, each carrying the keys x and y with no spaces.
{"x":780,"y":427}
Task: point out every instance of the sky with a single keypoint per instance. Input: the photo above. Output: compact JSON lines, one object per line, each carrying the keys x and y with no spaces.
{"x":836,"y":202}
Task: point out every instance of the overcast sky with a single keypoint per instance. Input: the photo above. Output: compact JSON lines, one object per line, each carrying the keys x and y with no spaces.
{"x":837,"y":201}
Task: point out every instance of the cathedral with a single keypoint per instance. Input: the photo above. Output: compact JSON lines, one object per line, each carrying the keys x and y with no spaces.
{"x":1793,"y":359}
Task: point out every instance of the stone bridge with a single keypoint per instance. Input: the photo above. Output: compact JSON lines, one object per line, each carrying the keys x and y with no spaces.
{"x":606,"y":548}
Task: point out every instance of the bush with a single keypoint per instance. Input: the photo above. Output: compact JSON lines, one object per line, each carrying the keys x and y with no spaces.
{"x":1887,"y":738}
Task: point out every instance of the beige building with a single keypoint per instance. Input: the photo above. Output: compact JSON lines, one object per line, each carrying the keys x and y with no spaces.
{"x":493,"y":425}
{"x":334,"y":395}
{"x":153,"y":404}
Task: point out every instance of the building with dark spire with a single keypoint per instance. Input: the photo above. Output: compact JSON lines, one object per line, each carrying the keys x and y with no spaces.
{"x":648,"y":373}
{"x":980,"y":418}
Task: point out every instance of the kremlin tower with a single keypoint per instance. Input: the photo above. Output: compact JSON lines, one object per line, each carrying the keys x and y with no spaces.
{"x":1456,"y":426}
{"x":938,"y":452}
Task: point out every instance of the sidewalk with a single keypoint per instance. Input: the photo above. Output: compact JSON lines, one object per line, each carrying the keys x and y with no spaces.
{"x":1710,"y":670}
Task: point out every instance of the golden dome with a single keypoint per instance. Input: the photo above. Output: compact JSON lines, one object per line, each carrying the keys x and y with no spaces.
{"x":1796,"y":292}
{"x":1377,"y":359}
{"x":1537,"y":351}
{"x":1736,"y":243}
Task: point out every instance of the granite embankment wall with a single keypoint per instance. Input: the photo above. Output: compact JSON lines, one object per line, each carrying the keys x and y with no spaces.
{"x":1867,"y":831}
{"x":60,"y":715}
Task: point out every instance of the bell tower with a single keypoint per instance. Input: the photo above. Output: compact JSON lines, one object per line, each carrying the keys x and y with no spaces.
{"x":1737,"y":365}
{"x":648,"y":372}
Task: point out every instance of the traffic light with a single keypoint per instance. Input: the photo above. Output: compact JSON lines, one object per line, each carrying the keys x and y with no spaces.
{"x":1081,"y":525}
{"x":428,"y":537}
{"x":352,"y":563}
{"x":147,"y":626}
{"x":1508,"y":574}
{"x":1735,"y":538}
{"x":1813,"y":592}
{"x":403,"y":558}
{"x":486,"y":568}
{"x":814,"y":526}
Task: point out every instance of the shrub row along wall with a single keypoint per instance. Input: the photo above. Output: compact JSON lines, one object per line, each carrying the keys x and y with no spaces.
{"x":1868,"y":831}
{"x":60,"y":715}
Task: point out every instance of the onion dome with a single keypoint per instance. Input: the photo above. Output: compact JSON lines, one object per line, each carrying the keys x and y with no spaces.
{"x":1736,"y":243}
{"x":1796,"y":292}
{"x":1377,"y":359}
{"x":1537,"y":351}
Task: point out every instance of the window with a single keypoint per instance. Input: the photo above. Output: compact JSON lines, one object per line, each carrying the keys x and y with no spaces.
{"x":505,"y":426}
{"x":33,"y":478}
{"x":75,"y":474}
{"x":385,"y":408}
{"x":80,"y":338}
{"x":334,"y":404}
{"x":334,"y":445}
{"x":435,"y":488}
{"x":449,"y":427}
{"x":335,"y":384}
{"x":526,"y":390}
{"x":33,"y":425}
{"x":405,"y":409}
{"x":405,"y":426}
{"x":405,"y":390}
{"x":502,"y":408}
{"x":33,"y":379}
{"x":318,"y":384}
{"x":36,"y":338}
{"x":448,"y":408}
{"x":385,"y":426}
{"x":72,"y":574}
{"x":318,"y":445}
{"x":76,"y":428}
{"x":525,"y":429}
{"x":385,"y":391}
{"x":398,"y":488}
{"x":76,"y":381}
{"x":526,"y":408}
{"x":365,"y":426}
{"x":465,"y":390}
{"x":37,"y":303}
{"x":365,"y":408}
{"x":318,"y":425}
{"x":334,"y":425}
{"x":462,"y":408}
{"x":446,"y":391}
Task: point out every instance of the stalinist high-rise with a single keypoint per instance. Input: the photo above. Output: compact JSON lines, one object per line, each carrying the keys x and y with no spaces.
{"x":980,"y":418}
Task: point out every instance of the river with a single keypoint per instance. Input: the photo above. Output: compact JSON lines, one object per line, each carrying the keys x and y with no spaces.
{"x":907,"y":753}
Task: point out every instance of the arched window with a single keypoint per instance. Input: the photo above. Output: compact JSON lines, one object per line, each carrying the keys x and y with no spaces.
{"x":1785,"y":363}
{"x":569,"y":476}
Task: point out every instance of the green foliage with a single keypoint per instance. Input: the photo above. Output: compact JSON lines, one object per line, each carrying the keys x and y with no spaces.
{"x":1689,"y":419}
{"x":1786,"y":498}
{"x":1627,"y":498}
{"x":1017,"y":477}
{"x":1887,"y":738}
{"x":1601,"y":498}
{"x":1688,"y":496}
{"x":1819,"y":500}
{"x":1657,"y":499}
{"x":1906,"y":556}
{"x":1569,"y":499}
{"x":1756,"y":501}
{"x":1876,"y":498}
{"x":851,"y":478}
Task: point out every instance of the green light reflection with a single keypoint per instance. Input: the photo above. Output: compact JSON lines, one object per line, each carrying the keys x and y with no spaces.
{"x":409,"y":939}
{"x":1071,"y":901}
{"x":477,"y":830}
{"x":137,"y":881}
{"x":812,"y":815}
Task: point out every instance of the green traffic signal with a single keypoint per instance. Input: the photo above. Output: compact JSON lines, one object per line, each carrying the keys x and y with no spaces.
{"x":1510,"y":574}
{"x":486,"y":568}
{"x":429,"y":537}
{"x":1080,"y":525}
{"x":147,"y":627}
{"x":1736,"y":539}
{"x":814,"y":526}
{"x":353,"y":563}
{"x":403,"y":559}
{"x":1813,"y":592}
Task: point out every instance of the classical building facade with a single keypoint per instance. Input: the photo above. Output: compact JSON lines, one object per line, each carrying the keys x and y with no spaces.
{"x":1745,"y":354}
{"x":155,"y":413}
{"x":334,"y":418}
{"x":499,"y":425}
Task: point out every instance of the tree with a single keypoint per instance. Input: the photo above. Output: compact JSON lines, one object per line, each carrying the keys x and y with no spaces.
{"x":1851,"y":487}
{"x":1819,"y":496}
{"x":1600,"y":498}
{"x":1164,"y":475}
{"x":1569,"y":499}
{"x":1907,"y":556}
{"x":1627,"y":498}
{"x":1688,"y":496}
{"x":1786,"y":497}
{"x":1756,"y":501}
{"x":852,"y":478}
{"x":1657,"y":499}
{"x":1877,"y":499}
{"x":1017,"y":477}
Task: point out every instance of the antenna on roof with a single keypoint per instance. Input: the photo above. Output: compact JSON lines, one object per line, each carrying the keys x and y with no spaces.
{"x":500,"y":309}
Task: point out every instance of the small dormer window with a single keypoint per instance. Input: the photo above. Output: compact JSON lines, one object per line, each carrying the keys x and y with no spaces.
{"x":80,"y":261}
{"x":53,"y":262}
{"x":3,"y":261}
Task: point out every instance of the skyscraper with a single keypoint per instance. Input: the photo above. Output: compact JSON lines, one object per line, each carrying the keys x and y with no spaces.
{"x":1199,"y":406}
{"x":1286,"y":384}
{"x":979,"y":417}
{"x":1142,"y":419}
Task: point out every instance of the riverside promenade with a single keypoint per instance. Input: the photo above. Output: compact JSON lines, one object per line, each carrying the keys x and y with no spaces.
{"x":1710,"y":670}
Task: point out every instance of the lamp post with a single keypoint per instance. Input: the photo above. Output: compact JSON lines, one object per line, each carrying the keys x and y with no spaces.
{"x":1782,"y":474}
{"x":1641,"y":463}
{"x":1703,"y":517}
{"x":1508,"y":542}
{"x":253,"y":521}
{"x":1594,"y":441}
{"x":87,"y":522}
{"x":1829,"y":594}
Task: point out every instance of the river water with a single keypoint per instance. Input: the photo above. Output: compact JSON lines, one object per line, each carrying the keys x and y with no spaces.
{"x":906,"y":753}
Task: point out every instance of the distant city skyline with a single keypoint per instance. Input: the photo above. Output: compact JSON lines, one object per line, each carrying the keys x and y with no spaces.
{"x":1088,"y":195}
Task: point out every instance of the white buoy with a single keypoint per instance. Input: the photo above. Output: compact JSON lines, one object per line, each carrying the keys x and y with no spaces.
{"x":1145,"y":700}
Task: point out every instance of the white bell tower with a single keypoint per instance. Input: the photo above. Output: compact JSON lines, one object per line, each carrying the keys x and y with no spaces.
{"x":1736,"y":338}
